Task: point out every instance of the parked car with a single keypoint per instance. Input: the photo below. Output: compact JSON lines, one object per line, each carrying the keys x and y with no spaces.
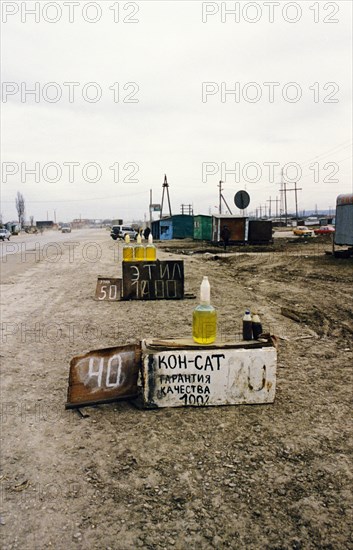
{"x":120,"y":231}
{"x":4,"y":234}
{"x":302,"y":231}
{"x":324,"y":230}
{"x":65,"y":228}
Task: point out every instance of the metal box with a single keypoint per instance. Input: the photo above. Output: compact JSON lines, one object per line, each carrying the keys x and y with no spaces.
{"x":344,"y":220}
{"x":260,"y":231}
{"x":177,"y":373}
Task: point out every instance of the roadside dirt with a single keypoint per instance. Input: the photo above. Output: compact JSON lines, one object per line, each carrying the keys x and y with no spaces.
{"x":255,"y":477}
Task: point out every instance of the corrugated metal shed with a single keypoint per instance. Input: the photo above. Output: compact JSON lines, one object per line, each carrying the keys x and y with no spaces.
{"x":180,"y":226}
{"x":155,"y":229}
{"x":203,"y":228}
{"x":162,"y":229}
{"x":237,"y":226}
{"x":183,"y":226}
{"x":344,"y":220}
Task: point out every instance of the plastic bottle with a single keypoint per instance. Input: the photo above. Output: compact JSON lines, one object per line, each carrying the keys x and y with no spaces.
{"x":247,"y":325}
{"x":256,"y":326}
{"x":128,"y":250}
{"x":151,"y":252}
{"x":139,"y":250}
{"x":204,"y":319}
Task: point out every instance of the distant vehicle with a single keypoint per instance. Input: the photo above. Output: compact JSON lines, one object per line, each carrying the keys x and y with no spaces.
{"x":324,"y":230}
{"x":120,"y":231}
{"x":14,"y":228}
{"x":5,"y":234}
{"x":65,"y":228}
{"x":302,"y":231}
{"x":312,"y":220}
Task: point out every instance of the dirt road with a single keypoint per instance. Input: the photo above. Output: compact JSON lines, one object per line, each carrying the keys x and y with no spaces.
{"x":254,"y":477}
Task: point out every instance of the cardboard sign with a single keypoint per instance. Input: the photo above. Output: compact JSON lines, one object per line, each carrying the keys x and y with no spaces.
{"x":195,"y":376}
{"x":176,"y":373}
{"x":103,"y":376}
{"x":108,"y":289}
{"x":153,"y":280}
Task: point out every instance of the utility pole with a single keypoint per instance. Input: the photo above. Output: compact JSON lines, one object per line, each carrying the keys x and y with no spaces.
{"x":283,"y":192}
{"x":296,"y":189}
{"x":186,"y":209}
{"x":150,"y":209}
{"x":271,"y":201}
{"x":285,"y":200}
{"x":296,"y":201}
{"x":165,"y":187}
{"x":260,"y":211}
{"x":277,"y":201}
{"x":221,"y":197}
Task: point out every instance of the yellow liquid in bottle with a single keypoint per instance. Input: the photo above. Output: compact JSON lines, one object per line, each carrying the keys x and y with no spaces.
{"x":139,"y":253}
{"x":128,"y":253}
{"x":204,"y":324}
{"x":151,"y":253}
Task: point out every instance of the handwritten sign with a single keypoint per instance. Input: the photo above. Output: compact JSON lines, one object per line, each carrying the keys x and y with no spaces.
{"x":159,"y":280}
{"x":103,"y":376}
{"x":108,"y":289}
{"x":199,"y":377}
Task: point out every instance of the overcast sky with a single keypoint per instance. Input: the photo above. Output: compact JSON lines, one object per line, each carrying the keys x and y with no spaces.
{"x":158,"y":104}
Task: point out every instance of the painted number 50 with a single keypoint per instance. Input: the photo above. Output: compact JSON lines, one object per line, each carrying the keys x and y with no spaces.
{"x":110,"y":294}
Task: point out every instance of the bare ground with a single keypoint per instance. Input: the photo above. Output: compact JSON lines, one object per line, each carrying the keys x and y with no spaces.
{"x":256,"y":477}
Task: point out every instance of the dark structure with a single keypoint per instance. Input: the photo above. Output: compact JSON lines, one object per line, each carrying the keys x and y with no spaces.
{"x":45,"y":224}
{"x":238,"y":228}
{"x":260,"y":232}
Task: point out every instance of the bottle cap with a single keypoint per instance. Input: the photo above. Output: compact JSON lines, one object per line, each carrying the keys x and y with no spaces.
{"x":205,"y":291}
{"x":127,"y":239}
{"x":150,"y":239}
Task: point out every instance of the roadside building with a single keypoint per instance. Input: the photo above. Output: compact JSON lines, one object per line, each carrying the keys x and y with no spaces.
{"x":202,"y":228}
{"x":180,"y":226}
{"x":238,"y":228}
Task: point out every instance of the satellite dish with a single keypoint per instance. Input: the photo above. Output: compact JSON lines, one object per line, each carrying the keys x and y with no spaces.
{"x":242,"y":199}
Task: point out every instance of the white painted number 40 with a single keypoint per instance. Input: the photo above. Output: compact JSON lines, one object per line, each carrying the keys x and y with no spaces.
{"x":113,"y":377}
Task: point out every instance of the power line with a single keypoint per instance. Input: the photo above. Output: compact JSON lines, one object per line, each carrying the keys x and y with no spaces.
{"x":328,"y":152}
